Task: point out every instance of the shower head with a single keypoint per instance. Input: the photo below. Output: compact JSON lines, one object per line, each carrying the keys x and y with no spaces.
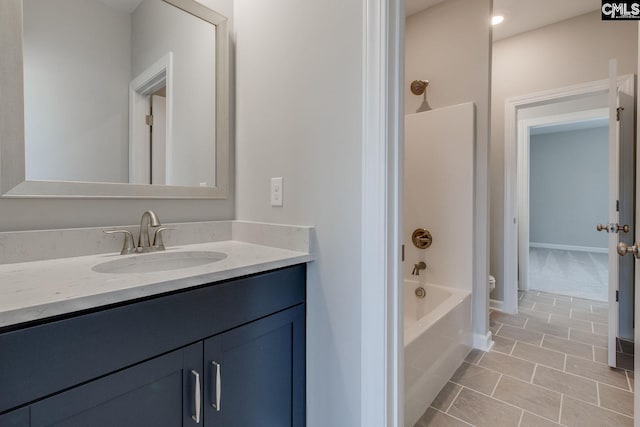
{"x":418,"y":87}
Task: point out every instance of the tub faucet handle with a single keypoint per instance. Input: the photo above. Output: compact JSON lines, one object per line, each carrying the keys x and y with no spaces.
{"x":417,"y":267}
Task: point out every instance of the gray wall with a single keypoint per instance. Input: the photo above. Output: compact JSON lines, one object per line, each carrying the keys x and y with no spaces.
{"x":568,"y":187}
{"x":449,"y":44}
{"x":41,"y":214}
{"x":299,"y":116}
{"x":563,"y":54}
{"x":76,"y":70}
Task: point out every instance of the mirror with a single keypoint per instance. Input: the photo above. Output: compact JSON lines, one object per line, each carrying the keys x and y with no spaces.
{"x":121,"y":98}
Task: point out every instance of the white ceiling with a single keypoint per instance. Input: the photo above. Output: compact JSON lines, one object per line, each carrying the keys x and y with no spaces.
{"x":522,"y":15}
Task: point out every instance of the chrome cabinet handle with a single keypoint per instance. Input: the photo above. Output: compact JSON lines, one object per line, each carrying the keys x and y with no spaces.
{"x":196,"y":397}
{"x":216,"y":404}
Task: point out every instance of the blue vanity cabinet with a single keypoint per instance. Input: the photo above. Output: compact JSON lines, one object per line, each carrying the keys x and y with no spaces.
{"x":255,"y":373}
{"x":160,"y":392}
{"x":149,"y":362}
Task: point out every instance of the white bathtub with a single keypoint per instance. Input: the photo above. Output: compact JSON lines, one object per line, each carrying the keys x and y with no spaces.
{"x":437,"y":338}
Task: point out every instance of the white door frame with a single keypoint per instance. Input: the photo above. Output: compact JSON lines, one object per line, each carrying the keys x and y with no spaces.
{"x":382,"y":350}
{"x":523,"y":145}
{"x":157,"y":75}
{"x":512,"y":105}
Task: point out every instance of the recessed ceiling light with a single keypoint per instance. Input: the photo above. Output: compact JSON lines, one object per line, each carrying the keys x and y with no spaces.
{"x":497,"y":19}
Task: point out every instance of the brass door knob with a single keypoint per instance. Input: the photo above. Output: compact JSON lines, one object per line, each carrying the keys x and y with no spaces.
{"x":421,"y":238}
{"x":624,"y":249}
{"x":613,"y":228}
{"x":623,"y":228}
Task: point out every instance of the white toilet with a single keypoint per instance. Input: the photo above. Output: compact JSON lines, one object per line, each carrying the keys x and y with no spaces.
{"x":492,"y":284}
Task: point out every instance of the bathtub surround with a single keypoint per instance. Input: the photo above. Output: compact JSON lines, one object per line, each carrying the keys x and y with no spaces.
{"x":463,"y":24}
{"x":546,"y":369}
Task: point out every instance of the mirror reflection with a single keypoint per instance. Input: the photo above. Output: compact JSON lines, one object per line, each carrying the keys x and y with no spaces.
{"x":119,"y":91}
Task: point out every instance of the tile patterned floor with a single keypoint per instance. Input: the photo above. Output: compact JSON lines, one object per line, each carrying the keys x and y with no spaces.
{"x":547,"y":368}
{"x":573,"y":273}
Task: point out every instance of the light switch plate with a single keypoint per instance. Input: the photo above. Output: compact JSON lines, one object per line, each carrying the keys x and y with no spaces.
{"x":276,"y":191}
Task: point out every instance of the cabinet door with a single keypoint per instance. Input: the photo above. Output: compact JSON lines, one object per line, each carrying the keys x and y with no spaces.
{"x":255,"y":374}
{"x":17,"y":418}
{"x":159,"y":392}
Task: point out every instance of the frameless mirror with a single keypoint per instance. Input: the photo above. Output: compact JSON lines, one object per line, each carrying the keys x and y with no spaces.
{"x":122,"y":98}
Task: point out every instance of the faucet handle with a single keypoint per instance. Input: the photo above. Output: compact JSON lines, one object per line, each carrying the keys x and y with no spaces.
{"x":128,"y":247}
{"x":158,"y":243}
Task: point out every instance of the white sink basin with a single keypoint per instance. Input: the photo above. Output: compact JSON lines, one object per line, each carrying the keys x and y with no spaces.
{"x":158,"y":261}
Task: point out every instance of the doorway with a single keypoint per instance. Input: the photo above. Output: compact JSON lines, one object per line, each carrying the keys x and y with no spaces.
{"x":518,"y":230}
{"x":564,"y":192}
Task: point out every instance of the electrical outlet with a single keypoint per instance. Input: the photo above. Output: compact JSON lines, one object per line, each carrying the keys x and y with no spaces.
{"x":276,"y":191}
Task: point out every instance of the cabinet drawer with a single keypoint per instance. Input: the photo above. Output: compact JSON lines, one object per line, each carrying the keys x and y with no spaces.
{"x":41,"y":360}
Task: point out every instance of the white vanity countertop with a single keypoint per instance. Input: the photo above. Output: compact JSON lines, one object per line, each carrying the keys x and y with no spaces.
{"x":41,"y":289}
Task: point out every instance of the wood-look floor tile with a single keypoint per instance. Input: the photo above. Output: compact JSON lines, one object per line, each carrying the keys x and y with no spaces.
{"x":580,"y":414}
{"x":597,"y":372}
{"x":494,"y":326}
{"x":518,"y":334}
{"x":483,"y":411}
{"x":539,"y":355}
{"x":615,"y":399}
{"x":631,"y":380}
{"x":548,"y":328}
{"x":571,"y":385}
{"x":508,"y":319}
{"x":476,"y":378}
{"x":532,"y":314}
{"x":569,"y":347}
{"x":538,"y":298}
{"x":600,"y":355}
{"x":446,"y":396}
{"x":564,"y":311}
{"x":434,"y":418}
{"x":588,"y":338}
{"x":583,"y":325}
{"x":473,"y":356}
{"x":508,"y":365}
{"x":529,"y":397}
{"x":600,"y":328}
{"x":587,"y":315}
{"x":502,"y":344}
{"x":530,"y":420}
{"x":556,"y":297}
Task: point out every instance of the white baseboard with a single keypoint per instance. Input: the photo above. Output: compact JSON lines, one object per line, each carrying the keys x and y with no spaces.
{"x":568,"y":247}
{"x":483,"y":342}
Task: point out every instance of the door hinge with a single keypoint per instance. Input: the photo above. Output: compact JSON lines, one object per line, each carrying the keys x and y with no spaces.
{"x":402,"y":253}
{"x":617,"y":296}
{"x":149,"y":120}
{"x":618,"y":110}
{"x":617,"y":205}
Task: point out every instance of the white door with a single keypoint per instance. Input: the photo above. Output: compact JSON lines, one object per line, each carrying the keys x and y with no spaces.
{"x":159,"y":140}
{"x":620,"y":224}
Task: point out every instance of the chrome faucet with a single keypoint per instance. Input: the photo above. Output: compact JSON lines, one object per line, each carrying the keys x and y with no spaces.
{"x":417,"y":267}
{"x":149,"y":219}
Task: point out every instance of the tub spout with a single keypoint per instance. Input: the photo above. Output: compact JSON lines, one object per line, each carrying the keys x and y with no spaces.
{"x":417,"y":267}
